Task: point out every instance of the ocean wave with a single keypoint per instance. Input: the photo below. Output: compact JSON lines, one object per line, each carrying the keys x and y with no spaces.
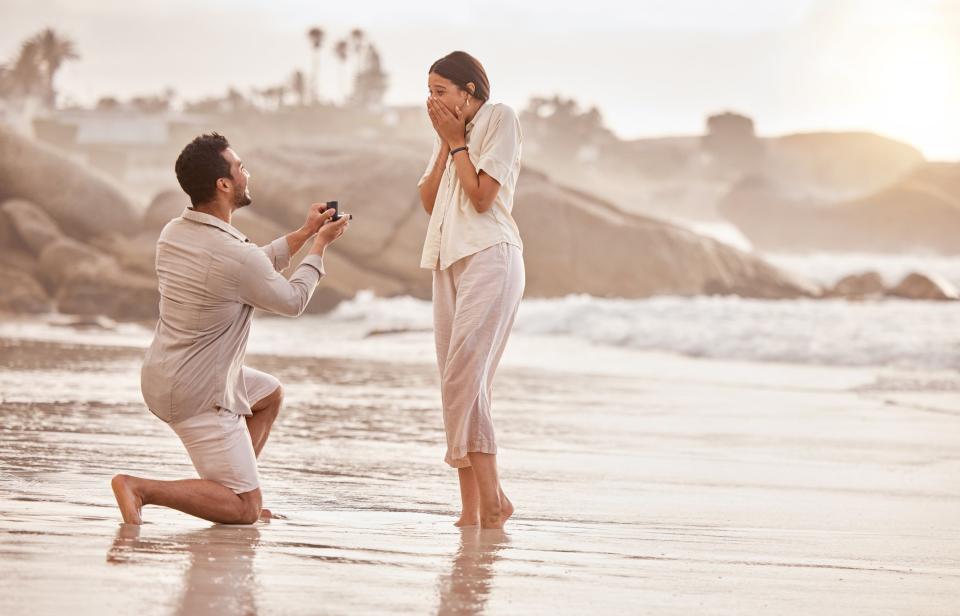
{"x":897,"y":333}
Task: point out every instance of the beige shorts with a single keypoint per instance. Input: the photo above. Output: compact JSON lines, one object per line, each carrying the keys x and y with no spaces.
{"x":218,"y":440}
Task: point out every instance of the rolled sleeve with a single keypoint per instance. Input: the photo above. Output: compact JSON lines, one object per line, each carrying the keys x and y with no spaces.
{"x":261,"y":285}
{"x":278,"y":251}
{"x":501,"y":145}
{"x":316,"y":262}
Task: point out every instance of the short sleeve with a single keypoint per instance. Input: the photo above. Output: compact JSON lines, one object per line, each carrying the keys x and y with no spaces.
{"x":501,"y":145}
{"x":433,"y":161}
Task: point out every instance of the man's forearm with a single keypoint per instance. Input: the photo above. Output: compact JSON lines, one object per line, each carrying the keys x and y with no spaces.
{"x":297,"y":239}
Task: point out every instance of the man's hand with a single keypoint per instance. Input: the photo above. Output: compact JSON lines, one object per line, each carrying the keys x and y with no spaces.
{"x":317,"y":215}
{"x":329,"y":232}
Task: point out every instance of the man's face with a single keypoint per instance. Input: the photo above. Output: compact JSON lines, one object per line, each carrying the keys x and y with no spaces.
{"x":239,"y":179}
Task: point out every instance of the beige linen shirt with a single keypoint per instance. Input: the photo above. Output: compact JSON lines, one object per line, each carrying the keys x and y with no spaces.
{"x":456,"y":229}
{"x":211,"y":277}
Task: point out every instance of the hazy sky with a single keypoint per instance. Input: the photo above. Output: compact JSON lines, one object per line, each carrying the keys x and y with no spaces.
{"x":653,"y":67}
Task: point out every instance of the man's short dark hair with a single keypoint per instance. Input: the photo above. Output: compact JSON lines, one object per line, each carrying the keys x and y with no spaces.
{"x":200,"y":165}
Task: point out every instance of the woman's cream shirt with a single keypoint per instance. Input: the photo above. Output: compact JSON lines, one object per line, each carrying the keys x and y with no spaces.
{"x":456,"y":229}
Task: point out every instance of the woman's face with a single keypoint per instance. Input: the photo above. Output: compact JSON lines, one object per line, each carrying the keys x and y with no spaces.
{"x":446,"y":92}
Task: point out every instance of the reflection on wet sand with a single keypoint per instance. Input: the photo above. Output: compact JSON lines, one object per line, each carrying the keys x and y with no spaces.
{"x":466,"y":588}
{"x":220,"y":576}
{"x":748,"y":488}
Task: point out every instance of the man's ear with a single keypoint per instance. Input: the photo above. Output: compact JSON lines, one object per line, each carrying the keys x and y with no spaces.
{"x":223,"y":184}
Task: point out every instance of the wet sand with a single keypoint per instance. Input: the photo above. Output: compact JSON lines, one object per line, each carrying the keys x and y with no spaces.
{"x":675,"y":486}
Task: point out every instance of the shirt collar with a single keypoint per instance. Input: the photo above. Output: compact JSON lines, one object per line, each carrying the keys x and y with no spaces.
{"x":480,"y":112}
{"x":213,"y":221}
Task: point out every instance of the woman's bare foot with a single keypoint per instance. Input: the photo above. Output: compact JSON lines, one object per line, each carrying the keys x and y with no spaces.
{"x":128,"y":500}
{"x":506,"y":507}
{"x":465,"y":520}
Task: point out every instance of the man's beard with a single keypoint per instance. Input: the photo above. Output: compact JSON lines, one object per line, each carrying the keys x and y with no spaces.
{"x":241,"y":199}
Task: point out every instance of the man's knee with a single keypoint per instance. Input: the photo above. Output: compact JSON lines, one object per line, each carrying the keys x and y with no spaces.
{"x":249,"y":506}
{"x":272,"y":402}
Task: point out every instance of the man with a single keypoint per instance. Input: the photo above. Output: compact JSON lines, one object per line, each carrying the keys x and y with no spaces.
{"x":211,"y":278}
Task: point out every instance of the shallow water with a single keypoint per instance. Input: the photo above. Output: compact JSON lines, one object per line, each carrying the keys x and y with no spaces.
{"x":667,"y":485}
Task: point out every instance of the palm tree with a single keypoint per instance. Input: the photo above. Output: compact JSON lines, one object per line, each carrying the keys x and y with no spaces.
{"x":342,"y":51}
{"x":315,"y":35}
{"x":298,"y":85}
{"x":370,"y":83}
{"x":357,"y":37}
{"x":52,"y":51}
{"x":25,"y":77}
{"x":356,"y":51}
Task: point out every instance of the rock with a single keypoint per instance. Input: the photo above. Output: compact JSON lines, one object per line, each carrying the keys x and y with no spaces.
{"x":839,"y":166}
{"x":345,"y":278}
{"x":640,"y":256}
{"x":136,"y":254}
{"x":166,"y":206}
{"x":62,"y":258}
{"x":561,"y":228}
{"x":347,"y":272}
{"x":22,"y":293}
{"x":82,"y":201}
{"x":9,"y":238}
{"x":113,"y":293}
{"x":32,"y":225}
{"x":258,"y":228}
{"x":918,"y":213}
{"x":924,"y":286}
{"x":19,"y":260}
{"x":858,"y":286}
{"x":14,"y":253}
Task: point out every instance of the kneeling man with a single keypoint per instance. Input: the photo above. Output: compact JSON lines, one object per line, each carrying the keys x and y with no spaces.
{"x":211,"y":278}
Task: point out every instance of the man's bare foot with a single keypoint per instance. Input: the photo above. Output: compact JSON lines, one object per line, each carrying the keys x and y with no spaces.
{"x":465,"y":520}
{"x":127,"y":499}
{"x":266,"y":515}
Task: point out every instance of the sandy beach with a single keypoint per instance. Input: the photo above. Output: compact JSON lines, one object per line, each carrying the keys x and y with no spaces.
{"x":644,"y":483}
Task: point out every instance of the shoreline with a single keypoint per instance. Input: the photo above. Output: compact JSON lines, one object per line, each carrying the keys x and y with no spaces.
{"x":681,"y":485}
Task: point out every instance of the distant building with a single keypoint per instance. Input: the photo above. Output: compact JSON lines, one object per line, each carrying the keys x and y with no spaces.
{"x":732,"y":142}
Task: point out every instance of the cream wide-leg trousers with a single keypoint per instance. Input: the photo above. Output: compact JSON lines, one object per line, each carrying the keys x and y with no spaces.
{"x":475,"y":301}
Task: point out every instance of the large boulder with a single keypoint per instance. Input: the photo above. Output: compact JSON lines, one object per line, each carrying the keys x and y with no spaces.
{"x":345,"y":277}
{"x":34,"y":227}
{"x":62,"y":258}
{"x":924,"y":286}
{"x":166,"y":206}
{"x":838,"y":166}
{"x":83,"y":202}
{"x":575,"y":243}
{"x":114,"y":293}
{"x":14,"y":253}
{"x":22,"y":293}
{"x":919,"y":213}
{"x":136,"y":254}
{"x":858,"y":286}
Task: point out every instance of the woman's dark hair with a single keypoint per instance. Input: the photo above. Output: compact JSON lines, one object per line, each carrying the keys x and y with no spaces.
{"x":461,"y":68}
{"x":200,"y":165}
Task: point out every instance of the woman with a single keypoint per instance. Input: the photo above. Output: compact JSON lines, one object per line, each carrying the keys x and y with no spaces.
{"x":473,"y":247}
